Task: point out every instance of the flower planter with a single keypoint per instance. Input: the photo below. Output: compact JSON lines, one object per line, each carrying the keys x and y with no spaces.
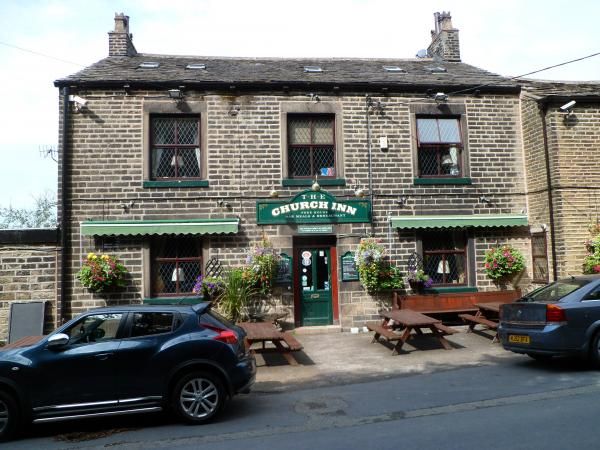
{"x":418,"y":287}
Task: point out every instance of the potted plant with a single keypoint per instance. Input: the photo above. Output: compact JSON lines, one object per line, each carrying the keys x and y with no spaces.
{"x":369,"y":261}
{"x":504,"y":262}
{"x":591,"y":262}
{"x":233,"y":300}
{"x":102,"y":273}
{"x":418,"y":280}
{"x":262,"y":263}
{"x":208,"y":287}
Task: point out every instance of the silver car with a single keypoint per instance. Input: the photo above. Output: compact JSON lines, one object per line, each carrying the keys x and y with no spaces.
{"x":560,"y":319}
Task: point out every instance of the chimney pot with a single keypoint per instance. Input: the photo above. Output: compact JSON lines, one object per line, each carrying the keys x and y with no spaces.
{"x":444,"y":39}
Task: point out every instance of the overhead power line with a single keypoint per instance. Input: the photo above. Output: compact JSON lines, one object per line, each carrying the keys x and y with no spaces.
{"x":40,"y":54}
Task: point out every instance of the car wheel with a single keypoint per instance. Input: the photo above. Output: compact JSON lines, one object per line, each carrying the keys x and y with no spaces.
{"x":595,"y":351}
{"x":9,"y":416}
{"x":198,"y":397}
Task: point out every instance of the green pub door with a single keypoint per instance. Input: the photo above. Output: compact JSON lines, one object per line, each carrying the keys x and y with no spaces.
{"x":314,"y":284}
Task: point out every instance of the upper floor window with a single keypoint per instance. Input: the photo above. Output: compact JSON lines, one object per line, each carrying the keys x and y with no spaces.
{"x":311,"y":146}
{"x":439,"y":147}
{"x":175,"y":147}
{"x":176,"y":263}
{"x":445,"y":257}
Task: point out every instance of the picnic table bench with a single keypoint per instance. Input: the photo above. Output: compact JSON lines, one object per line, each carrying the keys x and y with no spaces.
{"x":263,"y":332}
{"x":487,"y":315}
{"x":409,"y":321}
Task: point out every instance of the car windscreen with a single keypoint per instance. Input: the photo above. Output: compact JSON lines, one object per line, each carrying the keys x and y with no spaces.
{"x":554,"y":292}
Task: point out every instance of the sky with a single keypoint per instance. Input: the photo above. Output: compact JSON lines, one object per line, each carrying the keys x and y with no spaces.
{"x":56,"y":38}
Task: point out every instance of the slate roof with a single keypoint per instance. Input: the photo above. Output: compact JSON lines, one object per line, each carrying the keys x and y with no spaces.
{"x":546,"y":90}
{"x":278,"y":72}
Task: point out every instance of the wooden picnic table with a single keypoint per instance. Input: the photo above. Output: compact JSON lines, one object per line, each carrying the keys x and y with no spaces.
{"x":486,"y":315}
{"x":23,"y":342}
{"x":409,"y":321}
{"x":263,"y":332}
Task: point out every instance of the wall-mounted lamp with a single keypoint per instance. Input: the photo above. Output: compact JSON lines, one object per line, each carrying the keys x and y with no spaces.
{"x":223,"y":204}
{"x":316,"y":186}
{"x":176,"y":94}
{"x":126,"y":206}
{"x":484,"y":199}
{"x":402,"y":201}
{"x":360,"y":192}
{"x":314,"y":97}
{"x":440,"y":97}
{"x":78,"y":102}
{"x":273,"y":193}
{"x":234,"y":110}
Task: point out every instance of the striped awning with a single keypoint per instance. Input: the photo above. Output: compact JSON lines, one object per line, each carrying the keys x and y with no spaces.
{"x":158,"y":227}
{"x":481,"y":220}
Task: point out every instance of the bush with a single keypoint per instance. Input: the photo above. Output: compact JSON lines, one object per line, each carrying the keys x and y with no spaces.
{"x":503,"y":262}
{"x":591,"y":263}
{"x":102,"y":273}
{"x":235,"y":296}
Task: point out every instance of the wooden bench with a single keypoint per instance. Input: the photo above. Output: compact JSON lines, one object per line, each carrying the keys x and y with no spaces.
{"x":293,"y":343}
{"x":478,"y":320}
{"x":444,"y":329}
{"x":382,"y":331}
{"x":451,"y":303}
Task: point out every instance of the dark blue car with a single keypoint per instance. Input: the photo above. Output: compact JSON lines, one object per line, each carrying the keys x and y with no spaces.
{"x":124,"y":360}
{"x":560,"y":319}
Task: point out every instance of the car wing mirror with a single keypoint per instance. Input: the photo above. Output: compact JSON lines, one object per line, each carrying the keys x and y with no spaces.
{"x":58,"y":340}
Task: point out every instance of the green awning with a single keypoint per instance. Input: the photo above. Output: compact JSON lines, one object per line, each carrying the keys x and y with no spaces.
{"x":482,"y":220}
{"x":153,"y":227}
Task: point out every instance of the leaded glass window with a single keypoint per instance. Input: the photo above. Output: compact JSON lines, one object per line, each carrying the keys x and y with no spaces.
{"x":439,"y":147}
{"x":176,"y":152}
{"x":311,"y":146}
{"x":176,"y":263}
{"x":445,"y":257}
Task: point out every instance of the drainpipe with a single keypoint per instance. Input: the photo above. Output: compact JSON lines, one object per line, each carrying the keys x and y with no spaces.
{"x":64,"y":220}
{"x":543,"y":112}
{"x":368,"y":103}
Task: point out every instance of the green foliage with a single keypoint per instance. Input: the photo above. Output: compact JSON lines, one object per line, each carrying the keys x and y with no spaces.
{"x":591,"y":262}
{"x":102,"y":273}
{"x":208,"y":287}
{"x":42,"y":215}
{"x":374,"y":272}
{"x":262,"y":265}
{"x":232,"y":301}
{"x":503,"y":262}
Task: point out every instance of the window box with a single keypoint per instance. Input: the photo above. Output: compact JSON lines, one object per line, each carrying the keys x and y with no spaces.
{"x":432,"y":181}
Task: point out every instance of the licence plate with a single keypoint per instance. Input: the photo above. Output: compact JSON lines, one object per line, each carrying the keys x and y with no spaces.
{"x":519,"y":339}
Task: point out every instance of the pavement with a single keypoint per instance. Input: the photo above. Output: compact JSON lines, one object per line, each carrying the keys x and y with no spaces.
{"x":332,"y":357}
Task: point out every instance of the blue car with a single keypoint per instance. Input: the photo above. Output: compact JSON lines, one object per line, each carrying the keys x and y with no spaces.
{"x":124,"y":360}
{"x":560,"y":319}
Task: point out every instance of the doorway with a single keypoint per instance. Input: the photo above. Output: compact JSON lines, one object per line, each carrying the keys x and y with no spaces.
{"x":315,"y":281}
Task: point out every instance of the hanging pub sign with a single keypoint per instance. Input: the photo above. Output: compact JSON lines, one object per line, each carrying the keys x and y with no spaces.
{"x":349,"y":271}
{"x":313,"y":207}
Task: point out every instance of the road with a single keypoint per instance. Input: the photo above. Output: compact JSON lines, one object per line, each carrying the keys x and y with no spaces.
{"x":516,"y":404}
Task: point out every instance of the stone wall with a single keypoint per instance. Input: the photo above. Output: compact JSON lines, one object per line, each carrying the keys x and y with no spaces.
{"x":28,"y":272}
{"x":244,"y":155}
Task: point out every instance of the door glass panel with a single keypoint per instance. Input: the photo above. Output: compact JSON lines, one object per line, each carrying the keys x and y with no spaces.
{"x":322,"y":270}
{"x":306,"y":270}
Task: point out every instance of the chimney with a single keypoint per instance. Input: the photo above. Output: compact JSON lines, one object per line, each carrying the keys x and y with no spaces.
{"x":444,"y":39}
{"x":119,"y":40}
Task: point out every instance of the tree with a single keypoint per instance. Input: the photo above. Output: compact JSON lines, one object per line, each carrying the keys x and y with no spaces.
{"x":42,"y":215}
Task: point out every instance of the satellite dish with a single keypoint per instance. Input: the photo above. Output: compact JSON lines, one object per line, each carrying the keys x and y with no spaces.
{"x":422,"y":53}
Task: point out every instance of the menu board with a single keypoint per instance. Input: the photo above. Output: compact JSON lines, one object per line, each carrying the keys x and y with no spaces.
{"x":284,"y":271}
{"x":349,"y":270}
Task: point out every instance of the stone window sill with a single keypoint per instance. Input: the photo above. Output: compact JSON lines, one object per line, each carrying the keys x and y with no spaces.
{"x":175,"y":184}
{"x":308,"y":181}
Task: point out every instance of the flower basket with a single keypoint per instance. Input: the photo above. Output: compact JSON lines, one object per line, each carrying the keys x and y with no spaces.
{"x":503,"y":263}
{"x":102,"y":273}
